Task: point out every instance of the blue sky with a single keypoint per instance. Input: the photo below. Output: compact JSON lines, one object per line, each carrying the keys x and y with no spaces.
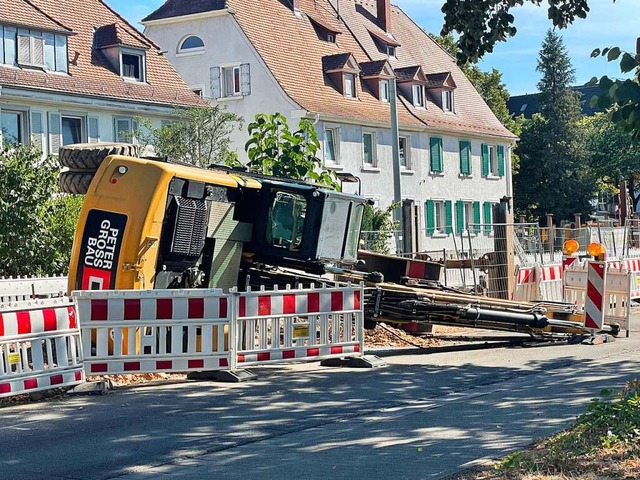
{"x":608,"y":24}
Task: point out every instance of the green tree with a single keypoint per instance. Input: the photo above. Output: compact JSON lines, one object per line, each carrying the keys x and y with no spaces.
{"x":612,"y":154}
{"x":36,"y":223}
{"x":554,"y":175}
{"x":199,"y":136}
{"x":274,"y":150}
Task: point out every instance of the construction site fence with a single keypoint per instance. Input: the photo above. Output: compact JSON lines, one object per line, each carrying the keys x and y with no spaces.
{"x":29,"y":288}
{"x":40,"y":346}
{"x":53,"y":343}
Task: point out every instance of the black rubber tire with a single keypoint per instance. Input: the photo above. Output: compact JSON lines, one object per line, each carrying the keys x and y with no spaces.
{"x":89,"y":156}
{"x":75,"y":182}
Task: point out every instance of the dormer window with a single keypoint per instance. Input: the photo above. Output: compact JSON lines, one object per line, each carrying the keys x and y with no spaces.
{"x":384,"y":91}
{"x":191,"y":44}
{"x":331,"y":38}
{"x":349,"y":85}
{"x":447,"y":100}
{"x":391,"y":51}
{"x":32,"y":48}
{"x":418,"y":95}
{"x":132,"y":65}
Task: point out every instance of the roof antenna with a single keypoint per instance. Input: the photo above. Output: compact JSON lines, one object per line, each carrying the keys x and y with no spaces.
{"x":338,"y":8}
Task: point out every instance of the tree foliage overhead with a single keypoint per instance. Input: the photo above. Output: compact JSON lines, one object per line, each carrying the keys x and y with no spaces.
{"x":483,"y":23}
{"x":273,"y":149}
{"x":199,"y":136}
{"x":554,"y":175}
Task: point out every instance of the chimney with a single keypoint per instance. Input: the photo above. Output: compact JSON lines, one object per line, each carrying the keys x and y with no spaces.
{"x":384,"y":14}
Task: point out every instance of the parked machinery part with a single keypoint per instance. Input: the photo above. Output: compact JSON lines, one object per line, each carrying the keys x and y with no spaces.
{"x":74,"y":182}
{"x":89,"y":156}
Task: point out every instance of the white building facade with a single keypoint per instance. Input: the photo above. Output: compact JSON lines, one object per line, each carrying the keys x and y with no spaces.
{"x":302,"y":60}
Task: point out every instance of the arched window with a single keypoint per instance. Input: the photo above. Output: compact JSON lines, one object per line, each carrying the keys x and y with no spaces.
{"x":191,"y":44}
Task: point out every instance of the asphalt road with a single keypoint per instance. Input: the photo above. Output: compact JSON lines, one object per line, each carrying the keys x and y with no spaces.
{"x":424,"y":416}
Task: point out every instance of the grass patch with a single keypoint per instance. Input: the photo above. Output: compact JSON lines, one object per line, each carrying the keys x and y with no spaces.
{"x":603,"y":444}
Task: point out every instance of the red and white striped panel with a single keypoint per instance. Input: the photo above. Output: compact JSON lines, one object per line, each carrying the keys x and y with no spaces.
{"x":551,"y":273}
{"x":35,"y":319}
{"x":594,"y":303}
{"x":123,"y":366}
{"x":280,"y":303}
{"x":117,"y":308}
{"x":300,"y":353}
{"x":526,"y":275}
{"x":632,"y":264}
{"x":19,"y":386}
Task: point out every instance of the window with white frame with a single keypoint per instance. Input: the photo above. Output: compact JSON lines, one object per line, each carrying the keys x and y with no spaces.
{"x":384,"y":91}
{"x":231,"y":81}
{"x":369,"y":149}
{"x":331,"y":146}
{"x":125,"y":129}
{"x":331,"y":38}
{"x":191,"y":44}
{"x":404,"y":146}
{"x":468,"y":214}
{"x":447,"y":100}
{"x":439,"y":220}
{"x":73,"y":129}
{"x":13,"y":126}
{"x":391,"y":51}
{"x":418,"y":95}
{"x":132,"y":65}
{"x":493,"y":160}
{"x":349,"y":85}
{"x":30,"y":48}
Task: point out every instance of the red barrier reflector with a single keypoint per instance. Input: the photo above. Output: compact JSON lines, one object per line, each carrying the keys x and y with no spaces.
{"x":132,"y":309}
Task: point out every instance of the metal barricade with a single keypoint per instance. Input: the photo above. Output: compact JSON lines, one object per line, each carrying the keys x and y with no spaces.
{"x":39,"y":346}
{"x":300,"y":324}
{"x":27,"y":288}
{"x":617,"y":293}
{"x":126,"y":332}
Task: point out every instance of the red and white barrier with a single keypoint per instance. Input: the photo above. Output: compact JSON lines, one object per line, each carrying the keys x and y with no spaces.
{"x":39,"y":346}
{"x":594,"y":303}
{"x":551,"y":283}
{"x":527,"y":284}
{"x":155,"y":331}
{"x":616,"y":296}
{"x":539,"y":283}
{"x":302,"y":324}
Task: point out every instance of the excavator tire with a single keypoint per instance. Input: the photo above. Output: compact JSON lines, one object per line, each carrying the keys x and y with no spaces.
{"x":89,"y":156}
{"x":75,"y":182}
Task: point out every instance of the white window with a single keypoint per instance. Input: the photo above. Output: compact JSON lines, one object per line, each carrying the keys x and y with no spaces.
{"x":191,"y":44}
{"x":30,"y":48}
{"x":132,"y":65}
{"x":125,"y":129}
{"x":405,"y":152}
{"x":439,"y":217}
{"x":418,"y":95}
{"x":391,"y":51}
{"x":331,"y":38}
{"x":331,"y":145}
{"x":468,"y":214}
{"x":13,"y":126}
{"x":349,"y":85}
{"x":198,"y":91}
{"x":8,"y":39}
{"x":369,"y":149}
{"x":73,"y":129}
{"x":447,"y":100}
{"x":384,"y":91}
{"x":231,"y":81}
{"x":493,"y":160}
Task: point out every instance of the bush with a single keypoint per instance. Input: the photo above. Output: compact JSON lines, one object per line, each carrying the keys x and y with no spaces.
{"x":36,"y":223}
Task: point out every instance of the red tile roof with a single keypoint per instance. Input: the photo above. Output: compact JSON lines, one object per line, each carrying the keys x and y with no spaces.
{"x":90,"y":73}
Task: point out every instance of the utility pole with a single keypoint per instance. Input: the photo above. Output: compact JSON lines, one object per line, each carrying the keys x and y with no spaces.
{"x":395,"y":149}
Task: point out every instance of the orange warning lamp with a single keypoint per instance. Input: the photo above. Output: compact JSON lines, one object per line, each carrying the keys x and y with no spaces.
{"x":570,"y":247}
{"x":596,"y":250}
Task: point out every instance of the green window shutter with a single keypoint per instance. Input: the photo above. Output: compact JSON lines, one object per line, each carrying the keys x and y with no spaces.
{"x":459,"y":216}
{"x":431,"y":217}
{"x":487,"y":217}
{"x":485,"y":160}
{"x":476,"y":216}
{"x":465,"y":158}
{"x":435,"y":145}
{"x":448,"y":217}
{"x":501,"y":160}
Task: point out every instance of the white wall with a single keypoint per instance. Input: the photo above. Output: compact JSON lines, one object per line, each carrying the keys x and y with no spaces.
{"x":224,"y":44}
